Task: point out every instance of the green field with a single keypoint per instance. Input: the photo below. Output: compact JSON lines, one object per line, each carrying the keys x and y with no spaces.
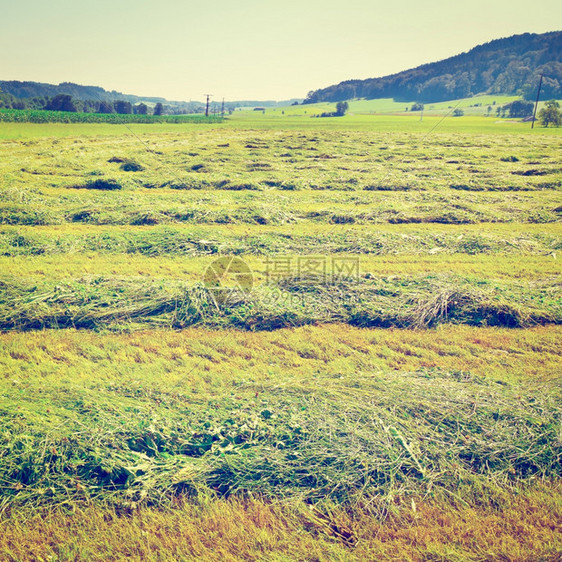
{"x":382,"y":115}
{"x":67,"y":117}
{"x":476,"y":105}
{"x":388,"y":388}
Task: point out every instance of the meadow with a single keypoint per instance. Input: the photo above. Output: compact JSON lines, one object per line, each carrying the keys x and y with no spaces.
{"x":389,"y":388}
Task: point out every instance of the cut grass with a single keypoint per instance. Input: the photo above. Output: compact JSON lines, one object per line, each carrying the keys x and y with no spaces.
{"x":95,"y":303}
{"x":375,"y":429}
{"x":162,"y":264}
{"x":539,"y":242}
{"x":345,"y":430}
{"x":101,"y":184}
{"x":213,"y":362}
{"x":522,"y":525}
{"x":290,"y":179}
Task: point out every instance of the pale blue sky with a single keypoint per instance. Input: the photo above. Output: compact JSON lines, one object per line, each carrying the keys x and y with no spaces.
{"x":246,"y":49}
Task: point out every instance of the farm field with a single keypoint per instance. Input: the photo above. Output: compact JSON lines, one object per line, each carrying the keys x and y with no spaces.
{"x":364,"y":115}
{"x":384,"y":383}
{"x":46,"y":116}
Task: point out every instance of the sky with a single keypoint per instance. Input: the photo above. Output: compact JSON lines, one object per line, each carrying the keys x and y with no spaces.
{"x":246,"y":49}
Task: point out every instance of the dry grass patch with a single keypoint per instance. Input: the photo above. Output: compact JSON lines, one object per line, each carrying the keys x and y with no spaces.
{"x":524,"y":526}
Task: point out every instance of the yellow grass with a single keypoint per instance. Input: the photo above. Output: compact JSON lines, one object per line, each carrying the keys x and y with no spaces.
{"x":195,"y":356}
{"x":524,"y":527}
{"x":74,"y":266}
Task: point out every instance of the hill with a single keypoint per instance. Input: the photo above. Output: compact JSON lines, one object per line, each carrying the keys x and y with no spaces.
{"x":39,"y":89}
{"x":508,"y":66}
{"x":26,"y":90}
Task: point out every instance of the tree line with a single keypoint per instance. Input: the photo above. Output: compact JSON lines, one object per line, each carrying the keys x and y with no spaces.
{"x":65,"y":102}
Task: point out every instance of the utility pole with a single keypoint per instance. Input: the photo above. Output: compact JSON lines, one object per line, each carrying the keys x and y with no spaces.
{"x":222,"y":108}
{"x":207,"y":106}
{"x":536,"y":103}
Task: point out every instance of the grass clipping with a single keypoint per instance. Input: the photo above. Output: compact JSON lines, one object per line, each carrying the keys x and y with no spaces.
{"x":344,"y":438}
{"x":408,"y":302}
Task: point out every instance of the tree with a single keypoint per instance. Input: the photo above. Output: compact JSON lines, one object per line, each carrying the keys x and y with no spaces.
{"x":61,"y":102}
{"x":141,"y":109}
{"x":341,"y":108}
{"x":90,"y":106}
{"x":158,"y":109}
{"x":417,"y":107}
{"x":123,"y":107}
{"x":519,"y":108}
{"x":105,"y":107}
{"x":458,"y":113}
{"x":550,"y":114}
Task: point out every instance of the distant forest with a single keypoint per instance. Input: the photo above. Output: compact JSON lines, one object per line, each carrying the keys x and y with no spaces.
{"x":68,"y":96}
{"x":505,"y":66}
{"x":65,"y":102}
{"x":88,"y":99}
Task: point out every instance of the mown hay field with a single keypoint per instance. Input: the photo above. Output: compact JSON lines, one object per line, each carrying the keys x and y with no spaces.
{"x":382,"y":349}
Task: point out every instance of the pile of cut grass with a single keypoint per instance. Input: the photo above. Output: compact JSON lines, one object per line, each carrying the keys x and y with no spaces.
{"x":126,"y":211}
{"x":168,"y":240}
{"x":101,"y":184}
{"x":347,"y":438}
{"x":409,"y":302}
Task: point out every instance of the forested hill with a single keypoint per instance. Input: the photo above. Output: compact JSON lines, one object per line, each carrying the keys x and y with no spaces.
{"x":18,"y":95}
{"x":507,"y":66}
{"x":42,"y":90}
